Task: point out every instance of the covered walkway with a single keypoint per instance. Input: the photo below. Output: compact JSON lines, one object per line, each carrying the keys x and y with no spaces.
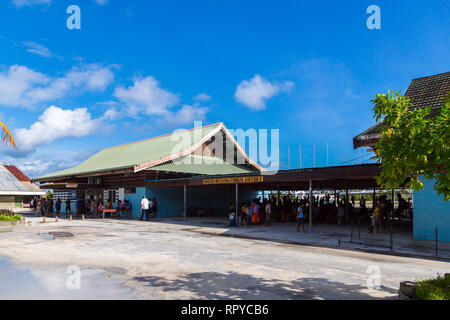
{"x":274,"y":185}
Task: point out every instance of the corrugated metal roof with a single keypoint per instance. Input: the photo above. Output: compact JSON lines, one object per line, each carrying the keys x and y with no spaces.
{"x":136,"y":153}
{"x":17,"y":173}
{"x":9,"y":184}
{"x":196,"y":164}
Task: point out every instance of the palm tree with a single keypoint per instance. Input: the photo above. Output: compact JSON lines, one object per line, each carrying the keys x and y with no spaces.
{"x":6,"y":136}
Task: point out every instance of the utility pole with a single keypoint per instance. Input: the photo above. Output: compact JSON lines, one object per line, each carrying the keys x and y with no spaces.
{"x":314,"y":155}
{"x":185,"y":202}
{"x":310,"y":204}
{"x":300,"y":149}
{"x":327,"y":153}
{"x":289,"y":158}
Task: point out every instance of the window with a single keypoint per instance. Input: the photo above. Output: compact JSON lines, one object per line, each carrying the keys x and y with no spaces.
{"x":63,"y":195}
{"x":112,"y":194}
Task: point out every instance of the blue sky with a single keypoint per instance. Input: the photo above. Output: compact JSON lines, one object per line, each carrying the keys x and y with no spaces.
{"x":137,"y":69}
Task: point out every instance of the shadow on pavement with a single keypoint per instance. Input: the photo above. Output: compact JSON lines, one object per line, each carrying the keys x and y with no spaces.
{"x":233,"y":285}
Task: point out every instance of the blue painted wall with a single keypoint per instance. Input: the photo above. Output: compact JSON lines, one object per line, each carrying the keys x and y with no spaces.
{"x":73,"y":207}
{"x":135,"y":200}
{"x":171,"y":200}
{"x":431,"y":211}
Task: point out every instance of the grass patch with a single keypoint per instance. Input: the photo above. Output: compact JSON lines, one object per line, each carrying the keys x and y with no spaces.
{"x":7,"y":216}
{"x":434,"y":289}
{"x":13,"y":218}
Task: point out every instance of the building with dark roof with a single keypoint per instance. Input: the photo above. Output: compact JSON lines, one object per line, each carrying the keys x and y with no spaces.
{"x":424,"y":92}
{"x":431,"y":213}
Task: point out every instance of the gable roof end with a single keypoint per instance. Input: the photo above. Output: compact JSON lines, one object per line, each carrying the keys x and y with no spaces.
{"x":424,"y":92}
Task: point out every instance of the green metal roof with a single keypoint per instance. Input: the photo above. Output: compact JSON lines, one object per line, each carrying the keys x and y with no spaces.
{"x":197,"y":164}
{"x":145,"y":151}
{"x":136,"y":153}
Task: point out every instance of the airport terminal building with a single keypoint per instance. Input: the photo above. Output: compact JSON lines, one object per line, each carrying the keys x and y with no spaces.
{"x":193,"y":174}
{"x":206,"y":167}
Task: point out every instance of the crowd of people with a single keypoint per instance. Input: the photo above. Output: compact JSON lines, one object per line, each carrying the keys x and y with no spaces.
{"x":325,"y":210}
{"x":260,"y":213}
{"x":43,"y":206}
{"x":287,"y":208}
{"x":47,"y":207}
{"x":385,"y":210}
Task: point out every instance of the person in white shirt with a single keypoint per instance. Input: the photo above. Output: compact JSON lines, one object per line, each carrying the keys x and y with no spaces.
{"x":145,"y":205}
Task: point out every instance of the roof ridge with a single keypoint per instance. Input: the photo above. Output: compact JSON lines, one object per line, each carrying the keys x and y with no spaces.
{"x":17,"y":173}
{"x":163,"y":135}
{"x":434,"y":75}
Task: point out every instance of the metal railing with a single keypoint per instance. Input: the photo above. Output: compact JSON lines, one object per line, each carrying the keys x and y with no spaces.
{"x":391,"y":225}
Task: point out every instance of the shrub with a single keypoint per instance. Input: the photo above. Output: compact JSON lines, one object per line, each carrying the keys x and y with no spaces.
{"x":434,"y":289}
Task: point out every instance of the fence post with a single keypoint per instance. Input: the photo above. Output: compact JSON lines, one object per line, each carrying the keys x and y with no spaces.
{"x":392,"y":240}
{"x":359,"y":227}
{"x":351,"y":229}
{"x":436,"y":242}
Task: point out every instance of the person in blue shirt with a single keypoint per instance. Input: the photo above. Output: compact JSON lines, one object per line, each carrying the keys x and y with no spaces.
{"x":300,"y":219}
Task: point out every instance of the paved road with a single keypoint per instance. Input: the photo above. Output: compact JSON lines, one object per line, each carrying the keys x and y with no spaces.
{"x":166,"y":261}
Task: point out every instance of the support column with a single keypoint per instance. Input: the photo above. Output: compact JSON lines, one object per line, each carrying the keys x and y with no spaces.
{"x":278,"y":202}
{"x":393,"y":203}
{"x":346,"y":206}
{"x":374,"y":202}
{"x":237,"y":204}
{"x":185,"y":202}
{"x":310,"y":205}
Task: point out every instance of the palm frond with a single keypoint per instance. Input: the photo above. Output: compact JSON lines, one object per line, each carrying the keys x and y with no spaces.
{"x":6,"y":136}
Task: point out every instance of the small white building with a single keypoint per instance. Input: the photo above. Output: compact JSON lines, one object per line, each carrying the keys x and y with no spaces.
{"x":16,"y":188}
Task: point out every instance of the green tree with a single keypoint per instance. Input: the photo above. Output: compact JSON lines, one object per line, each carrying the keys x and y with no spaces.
{"x":6,"y":135}
{"x":413,"y":143}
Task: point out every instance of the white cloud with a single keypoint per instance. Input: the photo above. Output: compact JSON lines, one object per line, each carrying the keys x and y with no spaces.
{"x":145,"y":96}
{"x":111,"y":115}
{"x":56,"y":123}
{"x":22,"y":87}
{"x":37,"y":167}
{"x":39,"y":49}
{"x":187,"y":114}
{"x":257,"y":91}
{"x":101,"y":2}
{"x":16,"y":84}
{"x":203,"y":97}
{"x":29,"y":3}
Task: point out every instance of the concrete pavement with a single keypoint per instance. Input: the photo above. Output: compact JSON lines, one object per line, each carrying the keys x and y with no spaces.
{"x":331,"y":236}
{"x":175,"y":260}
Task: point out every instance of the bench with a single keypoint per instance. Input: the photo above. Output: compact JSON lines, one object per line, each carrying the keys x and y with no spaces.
{"x":112,"y":211}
